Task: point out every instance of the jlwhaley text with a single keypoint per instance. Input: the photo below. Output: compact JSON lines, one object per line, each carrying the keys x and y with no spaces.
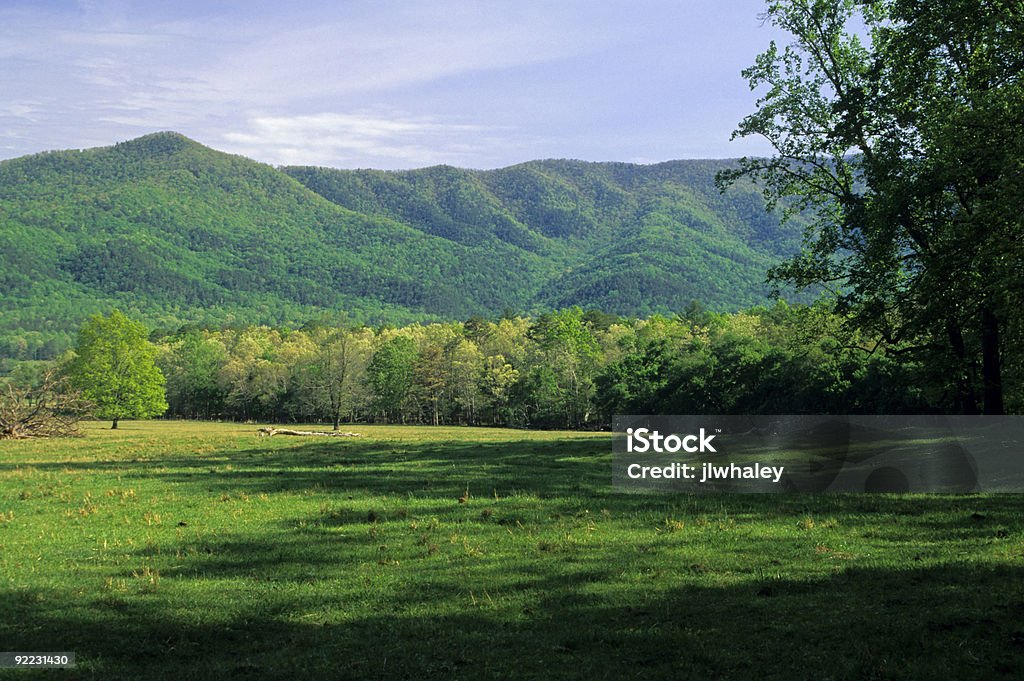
{"x":708,"y":471}
{"x":644,"y":440}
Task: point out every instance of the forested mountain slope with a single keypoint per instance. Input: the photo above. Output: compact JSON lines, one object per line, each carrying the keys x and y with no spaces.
{"x":173,"y":233}
{"x":626,"y":238}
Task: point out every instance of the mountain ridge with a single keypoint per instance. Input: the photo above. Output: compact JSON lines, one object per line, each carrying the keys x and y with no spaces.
{"x":174,"y":232}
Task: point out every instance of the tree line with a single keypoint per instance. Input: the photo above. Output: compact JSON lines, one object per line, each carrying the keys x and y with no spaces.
{"x":564,"y":369}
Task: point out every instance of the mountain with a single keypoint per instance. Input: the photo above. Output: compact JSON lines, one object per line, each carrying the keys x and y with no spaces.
{"x":176,"y":233}
{"x":625,"y":238}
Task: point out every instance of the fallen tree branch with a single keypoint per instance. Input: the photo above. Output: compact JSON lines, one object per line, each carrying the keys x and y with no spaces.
{"x":50,"y":409}
{"x":271,"y":431}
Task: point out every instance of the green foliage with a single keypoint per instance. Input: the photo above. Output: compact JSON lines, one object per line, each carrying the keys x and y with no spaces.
{"x":329,"y":377}
{"x":192,"y":388}
{"x":114,"y":368}
{"x":569,"y":353}
{"x":391,"y":373}
{"x":780,"y":360}
{"x":176,"y":234}
{"x":903,"y":151}
{"x":565,"y":369}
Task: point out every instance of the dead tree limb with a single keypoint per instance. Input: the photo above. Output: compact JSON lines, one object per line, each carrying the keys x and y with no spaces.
{"x":271,"y":431}
{"x":50,"y":409}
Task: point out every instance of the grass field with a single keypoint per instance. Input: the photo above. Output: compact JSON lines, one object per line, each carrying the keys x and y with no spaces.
{"x":192,"y":550}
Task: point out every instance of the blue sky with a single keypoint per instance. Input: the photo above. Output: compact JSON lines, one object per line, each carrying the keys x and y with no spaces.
{"x":379,"y":84}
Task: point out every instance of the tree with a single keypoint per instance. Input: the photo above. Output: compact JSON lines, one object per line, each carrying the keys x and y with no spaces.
{"x":902,"y":149}
{"x":392,"y":375}
{"x":192,"y":366}
{"x":255,"y":378}
{"x":114,"y":367}
{"x":496,"y":383}
{"x":570,"y":351}
{"x":331,"y":376}
{"x":633,"y":383}
{"x":465,"y":377}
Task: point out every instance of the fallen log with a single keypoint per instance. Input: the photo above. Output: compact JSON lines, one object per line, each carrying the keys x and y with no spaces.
{"x":271,"y":431}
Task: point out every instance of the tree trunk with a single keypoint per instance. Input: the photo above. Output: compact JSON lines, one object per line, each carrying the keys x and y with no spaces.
{"x":113,"y":426}
{"x":991,"y":370}
{"x":337,"y":422}
{"x":965,"y":399}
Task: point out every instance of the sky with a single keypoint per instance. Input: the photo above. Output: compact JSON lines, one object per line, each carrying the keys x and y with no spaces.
{"x":385,"y":84}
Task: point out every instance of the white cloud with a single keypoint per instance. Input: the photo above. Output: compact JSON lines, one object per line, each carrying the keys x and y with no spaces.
{"x":340,"y":139}
{"x":338,"y":64}
{"x":28,"y":111}
{"x":130,"y":73}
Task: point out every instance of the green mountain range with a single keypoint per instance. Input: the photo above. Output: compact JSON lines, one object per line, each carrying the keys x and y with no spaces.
{"x":176,"y":233}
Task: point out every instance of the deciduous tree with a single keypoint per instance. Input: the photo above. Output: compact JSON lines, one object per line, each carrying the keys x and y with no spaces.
{"x":392,"y":375}
{"x":897,"y":127}
{"x":114,"y":367}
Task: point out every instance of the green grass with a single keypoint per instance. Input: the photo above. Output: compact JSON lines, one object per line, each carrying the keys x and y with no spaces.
{"x":187,"y":550}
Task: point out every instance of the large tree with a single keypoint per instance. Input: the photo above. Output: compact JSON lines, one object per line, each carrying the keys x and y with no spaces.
{"x":569,"y":353}
{"x":114,"y":367}
{"x":898,"y":127}
{"x":392,"y":376}
{"x":330,"y":379}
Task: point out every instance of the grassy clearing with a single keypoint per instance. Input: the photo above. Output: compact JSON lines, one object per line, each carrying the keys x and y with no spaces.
{"x":188,"y":550}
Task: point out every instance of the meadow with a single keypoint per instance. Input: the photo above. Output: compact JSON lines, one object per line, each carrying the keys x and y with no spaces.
{"x":170,"y":549}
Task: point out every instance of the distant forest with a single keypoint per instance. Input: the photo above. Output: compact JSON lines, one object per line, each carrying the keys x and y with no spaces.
{"x":565,"y":369}
{"x":173,"y":233}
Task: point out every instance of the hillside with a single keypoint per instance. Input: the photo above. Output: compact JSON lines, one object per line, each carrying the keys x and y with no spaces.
{"x":626,"y":238}
{"x":173,"y":232}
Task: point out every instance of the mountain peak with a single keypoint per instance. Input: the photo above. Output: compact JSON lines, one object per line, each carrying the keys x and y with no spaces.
{"x":167,"y":142}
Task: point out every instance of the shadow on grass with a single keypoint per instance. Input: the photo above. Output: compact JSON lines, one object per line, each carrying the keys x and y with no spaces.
{"x":951,"y":622}
{"x":298,"y":601}
{"x":544,"y":467}
{"x":573,"y":474}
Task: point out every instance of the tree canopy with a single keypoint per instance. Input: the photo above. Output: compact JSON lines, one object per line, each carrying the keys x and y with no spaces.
{"x":114,"y":366}
{"x":174,"y":233}
{"x":898,"y":129}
